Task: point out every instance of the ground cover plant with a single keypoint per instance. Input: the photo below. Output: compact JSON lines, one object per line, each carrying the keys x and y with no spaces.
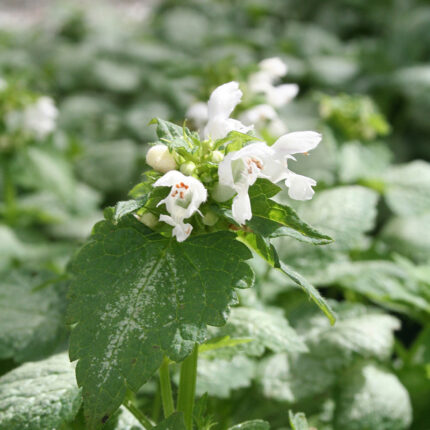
{"x":215,"y":227}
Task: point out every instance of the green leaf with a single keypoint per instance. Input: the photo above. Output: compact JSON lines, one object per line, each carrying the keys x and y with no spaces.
{"x":360,"y":332}
{"x":126,"y":207}
{"x":109,"y":166}
{"x":136,"y":295}
{"x":12,"y":249}
{"x":39,"y":395}
{"x":46,"y":170}
{"x":31,"y":320}
{"x":217,"y":343}
{"x":268,"y":252}
{"x":344,"y":213}
{"x":235,"y":140}
{"x":373,"y":399}
{"x":383,"y":282}
{"x":251,"y":425}
{"x":266,"y":328}
{"x":292,"y":379}
{"x":174,"y":422}
{"x":298,"y":421}
{"x":409,"y":236}
{"x":168,"y":130}
{"x":363,"y":162}
{"x":174,"y":136}
{"x":420,"y":351}
{"x":271,"y":219}
{"x":220,"y":377}
{"x":407,"y":188}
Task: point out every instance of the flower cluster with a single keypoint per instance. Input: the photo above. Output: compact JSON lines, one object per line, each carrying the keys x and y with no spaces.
{"x":263,"y":82}
{"x":40,"y":117}
{"x":262,"y":86}
{"x":213,"y":167}
{"x":24,"y":112}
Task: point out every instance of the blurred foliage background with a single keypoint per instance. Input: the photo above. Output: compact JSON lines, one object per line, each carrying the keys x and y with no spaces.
{"x":364,"y":74}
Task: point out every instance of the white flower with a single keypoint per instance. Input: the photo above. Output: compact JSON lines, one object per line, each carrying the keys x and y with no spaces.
{"x":277,"y":127}
{"x":282,"y":94}
{"x":240,"y":169}
{"x":221,"y":104}
{"x":273,"y":67}
{"x":160,"y":159}
{"x":264,"y":116}
{"x":298,"y":142}
{"x":198,"y":113}
{"x":184,"y":199}
{"x":41,"y":116}
{"x":271,"y":70}
{"x":259,"y":114}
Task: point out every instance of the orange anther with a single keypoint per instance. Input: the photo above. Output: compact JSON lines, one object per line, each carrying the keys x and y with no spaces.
{"x":178,"y":186}
{"x":181,"y":194}
{"x":186,"y":187}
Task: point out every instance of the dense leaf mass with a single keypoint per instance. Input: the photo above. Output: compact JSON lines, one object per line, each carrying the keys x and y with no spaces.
{"x":39,"y":395}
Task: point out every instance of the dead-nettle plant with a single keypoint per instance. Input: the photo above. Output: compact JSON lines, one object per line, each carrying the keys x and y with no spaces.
{"x":164,"y":265}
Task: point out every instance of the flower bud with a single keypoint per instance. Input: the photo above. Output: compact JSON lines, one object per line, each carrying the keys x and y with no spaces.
{"x":148,"y":219}
{"x":217,"y":156}
{"x":160,"y":159}
{"x":210,"y":218}
{"x":188,"y":168}
{"x":222,"y":193}
{"x":206,"y":177}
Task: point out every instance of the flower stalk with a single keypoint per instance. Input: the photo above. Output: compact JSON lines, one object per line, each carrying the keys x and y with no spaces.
{"x":187,"y":387}
{"x":166,"y":389}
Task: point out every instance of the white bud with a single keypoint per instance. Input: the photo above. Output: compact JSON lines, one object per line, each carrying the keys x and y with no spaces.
{"x":148,"y":219}
{"x":217,"y":156}
{"x":188,"y":168}
{"x":160,"y":159}
{"x":210,"y":218}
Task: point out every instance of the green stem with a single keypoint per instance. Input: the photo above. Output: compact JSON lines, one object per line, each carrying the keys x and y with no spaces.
{"x":166,"y":389}
{"x":187,"y":387}
{"x":139,"y":415}
{"x":156,"y":406}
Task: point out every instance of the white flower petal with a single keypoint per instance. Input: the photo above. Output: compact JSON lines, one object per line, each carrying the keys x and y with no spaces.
{"x":277,"y":127}
{"x":241,"y":208}
{"x":296,"y":142}
{"x":185,"y":197}
{"x":40,"y":117}
{"x":274,"y":67}
{"x":260,"y":82}
{"x":224,"y":99}
{"x":282,"y":94}
{"x":198,"y":113}
{"x":170,"y":178}
{"x":220,"y":127}
{"x":258,"y":114}
{"x":182,"y":231}
{"x":300,"y":187}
